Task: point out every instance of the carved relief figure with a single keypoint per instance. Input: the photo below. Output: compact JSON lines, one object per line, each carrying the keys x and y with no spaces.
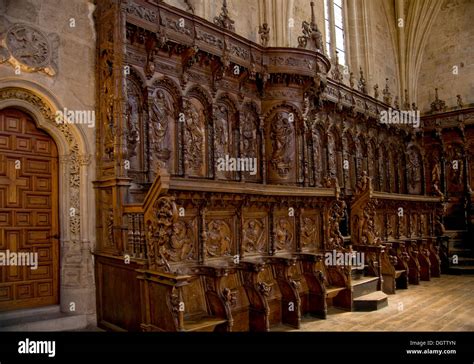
{"x":194,"y":134}
{"x":414,"y":171}
{"x":281,"y":135}
{"x":336,"y":214}
{"x":181,"y":243}
{"x":436,"y":177}
{"x":222,"y":135}
{"x":161,"y":115}
{"x":249,"y":137}
{"x":132,"y":120}
{"x":283,"y":235}
{"x":218,"y":242}
{"x":253,"y":236}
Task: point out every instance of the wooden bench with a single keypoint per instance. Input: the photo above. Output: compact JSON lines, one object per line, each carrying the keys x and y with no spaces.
{"x":397,"y":250}
{"x":226,"y":294}
{"x":337,"y":281}
{"x":176,"y":302}
{"x":413,"y":263}
{"x":392,"y":272}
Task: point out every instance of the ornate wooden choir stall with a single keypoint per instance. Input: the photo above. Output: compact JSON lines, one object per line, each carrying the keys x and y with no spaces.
{"x":229,"y":171}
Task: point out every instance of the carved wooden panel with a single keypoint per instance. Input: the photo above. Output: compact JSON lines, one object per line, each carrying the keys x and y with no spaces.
{"x":29,"y":216}
{"x":284,"y":231}
{"x":255,"y":233}
{"x":311,"y":239}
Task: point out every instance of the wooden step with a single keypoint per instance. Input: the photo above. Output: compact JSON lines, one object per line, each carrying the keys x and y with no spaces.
{"x":364,"y":285}
{"x":398,"y":273}
{"x":461,"y":269}
{"x":332,"y":291}
{"x":371,"y":302}
{"x":203,"y":324}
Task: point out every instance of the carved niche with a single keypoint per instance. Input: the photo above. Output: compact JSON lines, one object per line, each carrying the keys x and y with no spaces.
{"x":414,"y":171}
{"x":161,"y":131}
{"x":317,"y":155}
{"x":195,"y":140}
{"x":29,"y":48}
{"x":455,"y":167}
{"x":281,"y":147}
{"x":251,"y":142}
{"x":254,"y":236}
{"x":134,"y":129}
{"x":225,"y":139}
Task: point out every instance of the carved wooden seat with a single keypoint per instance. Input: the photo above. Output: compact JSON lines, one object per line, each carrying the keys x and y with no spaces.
{"x":263,"y":293}
{"x":337,"y":280}
{"x":226,"y":295}
{"x":177,"y":303}
{"x":290,"y":287}
{"x":413,"y":263}
{"x":423,"y":259}
{"x":313,"y":301}
{"x":434,"y":256}
{"x":394,"y":267}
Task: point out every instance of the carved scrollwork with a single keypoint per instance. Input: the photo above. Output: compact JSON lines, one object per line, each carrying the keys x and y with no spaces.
{"x":159,"y":232}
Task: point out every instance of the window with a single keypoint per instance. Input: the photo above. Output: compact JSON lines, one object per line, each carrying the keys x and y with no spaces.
{"x":334,"y":29}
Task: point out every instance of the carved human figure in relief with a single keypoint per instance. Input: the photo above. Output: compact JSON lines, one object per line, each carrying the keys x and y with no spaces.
{"x":253,"y":239}
{"x":221,"y":130}
{"x":181,"y":243}
{"x":249,"y":137}
{"x":284,"y":236}
{"x":161,"y":112}
{"x":414,"y":171}
{"x":364,"y":183}
{"x":218,"y":242}
{"x":132,"y":120}
{"x":281,"y":138}
{"x":264,"y":31}
{"x":194,"y":137}
{"x":436,"y":177}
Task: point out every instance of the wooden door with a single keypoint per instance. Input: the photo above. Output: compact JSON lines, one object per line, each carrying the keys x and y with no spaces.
{"x":28,"y":213}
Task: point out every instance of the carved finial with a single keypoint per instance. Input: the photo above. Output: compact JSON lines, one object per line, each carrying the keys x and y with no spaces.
{"x":406,"y":103}
{"x":223,"y":19}
{"x":264,"y":31}
{"x":459,"y":101}
{"x":351,"y":79}
{"x":362,"y":83}
{"x":413,"y":106}
{"x":313,"y":18}
{"x":387,"y":96}
{"x":437,"y":104}
{"x":396,"y":104}
{"x":376,"y":91}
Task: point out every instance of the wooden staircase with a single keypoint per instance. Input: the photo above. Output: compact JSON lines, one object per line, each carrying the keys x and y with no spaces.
{"x":460,"y":252}
{"x":365,"y":295}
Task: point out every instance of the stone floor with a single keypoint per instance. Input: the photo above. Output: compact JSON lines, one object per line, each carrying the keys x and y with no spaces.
{"x":442,"y":304}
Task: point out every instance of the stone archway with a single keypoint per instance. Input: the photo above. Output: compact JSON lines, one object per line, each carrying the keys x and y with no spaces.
{"x":76,"y":195}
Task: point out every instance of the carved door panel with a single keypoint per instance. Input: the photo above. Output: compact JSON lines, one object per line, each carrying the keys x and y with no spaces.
{"x":28,"y":214}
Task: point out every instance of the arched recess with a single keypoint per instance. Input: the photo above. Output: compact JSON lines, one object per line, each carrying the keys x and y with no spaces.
{"x":284,"y":143}
{"x":164,"y":108}
{"x":76,"y":194}
{"x":226,"y":137}
{"x":197,"y":134}
{"x":415,"y":169}
{"x":251,"y":145}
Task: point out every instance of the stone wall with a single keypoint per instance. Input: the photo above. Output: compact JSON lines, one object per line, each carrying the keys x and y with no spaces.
{"x":67,"y":80}
{"x":449,"y":44}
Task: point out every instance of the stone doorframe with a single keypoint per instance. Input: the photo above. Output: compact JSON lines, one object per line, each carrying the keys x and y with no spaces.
{"x":76,"y":194}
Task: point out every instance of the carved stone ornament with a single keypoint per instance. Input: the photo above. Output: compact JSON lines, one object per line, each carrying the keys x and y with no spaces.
{"x":438,"y":104}
{"x":223,"y":20}
{"x":29,"y":49}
